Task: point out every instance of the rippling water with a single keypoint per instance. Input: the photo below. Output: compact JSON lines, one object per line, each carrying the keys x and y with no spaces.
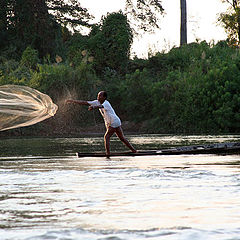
{"x":48,"y":193}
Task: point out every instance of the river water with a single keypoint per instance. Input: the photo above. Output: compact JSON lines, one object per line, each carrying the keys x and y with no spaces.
{"x":46,"y":192}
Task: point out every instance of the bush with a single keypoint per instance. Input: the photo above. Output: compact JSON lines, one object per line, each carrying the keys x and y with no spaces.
{"x":192,"y":89}
{"x":110,"y":43}
{"x":30,"y":58}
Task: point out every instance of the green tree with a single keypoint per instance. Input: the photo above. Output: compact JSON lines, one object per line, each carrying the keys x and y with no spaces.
{"x":231,"y":21}
{"x":29,"y":58}
{"x":110,"y":42}
{"x":69,"y":12}
{"x":32,"y":25}
{"x":3,"y":23}
{"x":144,"y":13}
{"x":39,"y":23}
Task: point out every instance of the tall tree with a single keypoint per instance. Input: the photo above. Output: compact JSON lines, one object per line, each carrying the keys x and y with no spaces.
{"x":69,"y":12}
{"x":231,"y":21}
{"x":38,"y":22}
{"x":144,"y":13}
{"x":110,"y":42}
{"x":183,"y":28}
{"x":30,"y":24}
{"x":3,"y":23}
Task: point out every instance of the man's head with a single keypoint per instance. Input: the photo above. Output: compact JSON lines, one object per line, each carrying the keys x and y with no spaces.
{"x":102,"y":96}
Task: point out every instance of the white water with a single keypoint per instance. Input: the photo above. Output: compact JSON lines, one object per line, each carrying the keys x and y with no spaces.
{"x":156,"y":197}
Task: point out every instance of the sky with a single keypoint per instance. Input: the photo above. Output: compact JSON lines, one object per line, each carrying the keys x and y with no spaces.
{"x":201,"y":23}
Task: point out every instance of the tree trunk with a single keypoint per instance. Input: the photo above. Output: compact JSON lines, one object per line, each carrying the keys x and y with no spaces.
{"x":183,"y":29}
{"x":3,"y":23}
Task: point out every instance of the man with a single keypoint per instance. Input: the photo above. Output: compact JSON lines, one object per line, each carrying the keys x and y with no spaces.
{"x":112,"y":121}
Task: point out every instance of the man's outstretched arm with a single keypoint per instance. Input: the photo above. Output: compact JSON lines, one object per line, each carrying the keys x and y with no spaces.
{"x":80,"y":102}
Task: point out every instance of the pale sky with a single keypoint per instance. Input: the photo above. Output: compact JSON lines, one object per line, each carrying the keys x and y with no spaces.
{"x":202,"y":18}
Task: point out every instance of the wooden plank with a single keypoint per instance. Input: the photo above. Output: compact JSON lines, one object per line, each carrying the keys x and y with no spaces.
{"x":102,"y":154}
{"x":217,"y":148}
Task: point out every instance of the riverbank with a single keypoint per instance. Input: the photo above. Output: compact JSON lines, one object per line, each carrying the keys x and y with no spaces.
{"x":51,"y":128}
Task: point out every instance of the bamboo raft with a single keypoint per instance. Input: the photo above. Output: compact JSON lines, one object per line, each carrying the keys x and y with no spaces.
{"x":216,"y":148}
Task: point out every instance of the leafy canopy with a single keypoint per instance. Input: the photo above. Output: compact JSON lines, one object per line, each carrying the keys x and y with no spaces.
{"x":144,"y":13}
{"x":231,"y":21}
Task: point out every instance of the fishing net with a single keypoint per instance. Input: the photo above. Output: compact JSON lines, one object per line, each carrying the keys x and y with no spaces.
{"x":22,"y":106}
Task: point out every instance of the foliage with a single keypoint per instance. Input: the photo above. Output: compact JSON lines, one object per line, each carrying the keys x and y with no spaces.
{"x":231,"y":22}
{"x":28,"y":23}
{"x":68,"y":12}
{"x":191,"y":89}
{"x":3,"y":23}
{"x":30,"y":58}
{"x":76,"y":46}
{"x":41,"y":24}
{"x":145,"y":14}
{"x":110,"y":42}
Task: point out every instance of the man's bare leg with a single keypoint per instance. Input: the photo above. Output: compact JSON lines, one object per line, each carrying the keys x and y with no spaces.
{"x":119,"y":133}
{"x":110,"y":131}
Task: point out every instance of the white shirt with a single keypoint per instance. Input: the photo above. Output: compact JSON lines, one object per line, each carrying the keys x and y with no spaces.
{"x":110,"y":117}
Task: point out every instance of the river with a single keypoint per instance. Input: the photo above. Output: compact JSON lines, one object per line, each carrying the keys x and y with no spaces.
{"x":46,"y":192}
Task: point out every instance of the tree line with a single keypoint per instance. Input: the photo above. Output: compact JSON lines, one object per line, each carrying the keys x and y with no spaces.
{"x":191,"y":89}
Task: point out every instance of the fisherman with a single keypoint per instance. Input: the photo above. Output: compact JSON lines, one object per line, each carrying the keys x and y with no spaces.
{"x":112,"y":121}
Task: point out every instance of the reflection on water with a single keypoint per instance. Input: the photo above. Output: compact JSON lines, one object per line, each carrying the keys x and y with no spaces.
{"x":55,"y":195}
{"x":69,"y":146}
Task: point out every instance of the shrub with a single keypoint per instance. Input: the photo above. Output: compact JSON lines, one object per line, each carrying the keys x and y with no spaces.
{"x":30,"y":58}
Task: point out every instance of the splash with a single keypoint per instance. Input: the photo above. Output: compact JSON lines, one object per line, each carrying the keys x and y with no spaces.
{"x":22,"y":106}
